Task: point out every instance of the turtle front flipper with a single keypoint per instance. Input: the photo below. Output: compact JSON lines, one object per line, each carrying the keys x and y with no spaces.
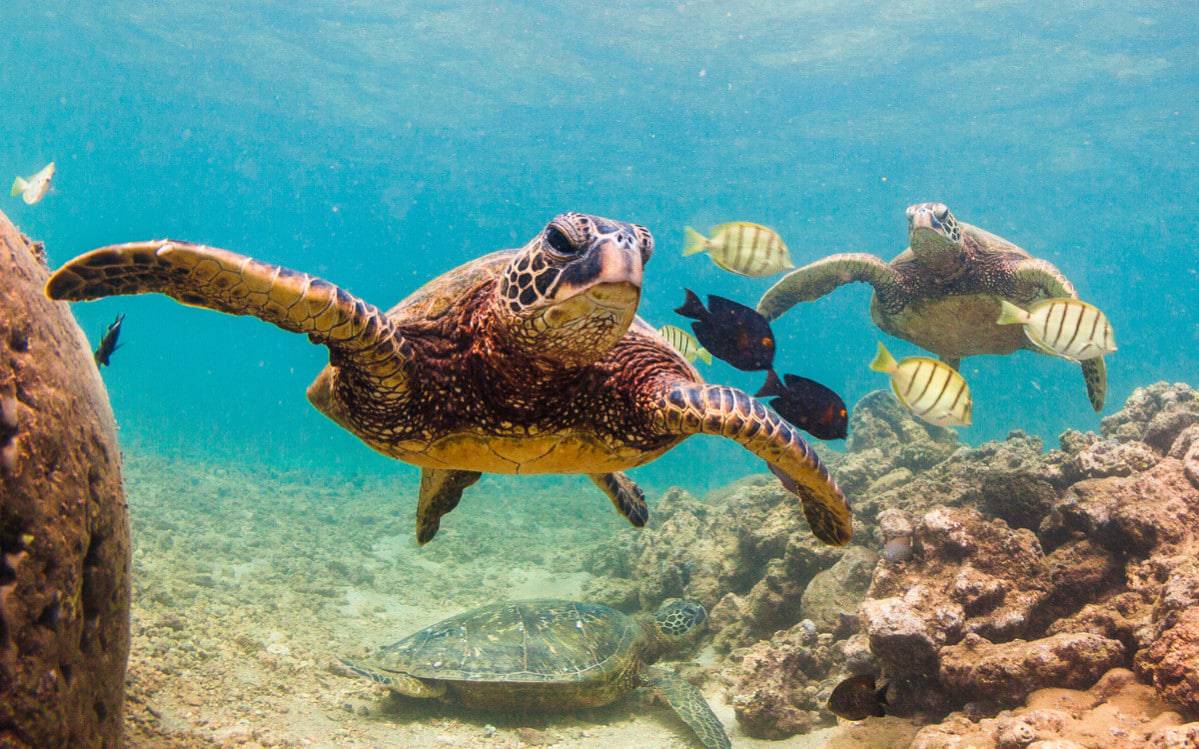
{"x":404,"y":684}
{"x":440,"y":491}
{"x":814,"y":280}
{"x":693,"y":408}
{"x":626,"y":496}
{"x":357,"y":332}
{"x":689,"y":704}
{"x":1038,"y":278}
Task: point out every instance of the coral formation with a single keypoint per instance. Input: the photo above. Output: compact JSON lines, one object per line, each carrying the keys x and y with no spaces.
{"x":64,"y":536}
{"x":1116,"y":712}
{"x":995,"y":572}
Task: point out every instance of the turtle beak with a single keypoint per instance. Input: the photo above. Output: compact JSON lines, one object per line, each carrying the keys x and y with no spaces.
{"x":618,"y":264}
{"x":608,"y":273}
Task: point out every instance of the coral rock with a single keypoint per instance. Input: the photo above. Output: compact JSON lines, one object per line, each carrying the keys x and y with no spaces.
{"x":64,"y":530}
{"x":1116,"y":713}
{"x":1155,"y":415}
{"x":767,"y":688}
{"x":1171,"y":662}
{"x":1009,"y":671}
{"x":836,"y":592}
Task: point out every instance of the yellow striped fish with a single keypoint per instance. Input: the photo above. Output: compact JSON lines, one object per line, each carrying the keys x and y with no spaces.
{"x":741,"y":247}
{"x":1069,"y":328}
{"x":932,"y":390}
{"x":685,"y":344}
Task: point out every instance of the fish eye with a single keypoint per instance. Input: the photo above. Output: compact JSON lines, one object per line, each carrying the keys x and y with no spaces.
{"x":767,"y":342}
{"x":844,"y":412}
{"x":558,"y":241}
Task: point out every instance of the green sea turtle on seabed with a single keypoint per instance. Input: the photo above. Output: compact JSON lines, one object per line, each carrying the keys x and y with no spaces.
{"x":548,"y":655}
{"x":943,"y":292}
{"x":530,"y":360}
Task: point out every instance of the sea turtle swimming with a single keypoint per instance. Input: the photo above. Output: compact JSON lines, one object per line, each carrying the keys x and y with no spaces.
{"x":944,"y":292}
{"x":529,"y":360}
{"x":548,"y":655}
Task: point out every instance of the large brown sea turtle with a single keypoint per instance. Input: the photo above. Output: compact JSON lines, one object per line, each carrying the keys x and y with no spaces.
{"x":523,"y":361}
{"x":943,"y":292}
{"x":548,"y":655}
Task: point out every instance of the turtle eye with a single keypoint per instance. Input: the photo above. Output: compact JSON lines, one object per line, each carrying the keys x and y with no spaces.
{"x":940,"y":211}
{"x":558,"y":242}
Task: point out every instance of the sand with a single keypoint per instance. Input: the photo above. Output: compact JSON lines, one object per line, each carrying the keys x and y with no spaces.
{"x":249,"y":584}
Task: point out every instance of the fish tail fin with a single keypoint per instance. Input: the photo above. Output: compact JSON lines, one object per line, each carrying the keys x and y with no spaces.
{"x":772,"y":386}
{"x":1010,"y":314}
{"x":692,"y":307}
{"x":883,"y":361}
{"x":704,"y":355}
{"x":18,"y":186}
{"x":693,"y":241}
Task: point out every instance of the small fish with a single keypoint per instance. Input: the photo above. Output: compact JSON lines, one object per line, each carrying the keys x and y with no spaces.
{"x":808,"y":405}
{"x":33,"y":189}
{"x":108,"y":343}
{"x":898,"y":549}
{"x":685,"y":344}
{"x":858,"y":698}
{"x":932,"y":390}
{"x":742,"y":248}
{"x":1069,"y":328}
{"x":732,"y":332}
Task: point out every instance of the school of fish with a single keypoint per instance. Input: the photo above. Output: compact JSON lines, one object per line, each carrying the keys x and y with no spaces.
{"x":932,"y":390}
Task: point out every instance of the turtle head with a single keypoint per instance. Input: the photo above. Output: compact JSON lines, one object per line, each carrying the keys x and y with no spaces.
{"x":935,"y":237}
{"x":572,"y":292}
{"x":679,"y":623}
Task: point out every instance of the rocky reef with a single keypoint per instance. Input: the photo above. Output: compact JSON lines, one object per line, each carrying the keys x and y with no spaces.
{"x":64,"y":530}
{"x":982,"y":584}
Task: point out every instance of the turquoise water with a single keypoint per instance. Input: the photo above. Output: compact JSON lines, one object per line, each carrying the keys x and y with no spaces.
{"x":379,"y":144}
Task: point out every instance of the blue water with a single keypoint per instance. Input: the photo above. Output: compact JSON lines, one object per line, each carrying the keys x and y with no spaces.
{"x":378,"y":144}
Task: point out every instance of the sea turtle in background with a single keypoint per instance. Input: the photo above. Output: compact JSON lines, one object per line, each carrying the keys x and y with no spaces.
{"x":529,"y":360}
{"x":943,"y":292}
{"x":548,"y":655}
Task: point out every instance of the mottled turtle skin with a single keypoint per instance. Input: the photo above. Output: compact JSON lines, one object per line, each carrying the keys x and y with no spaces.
{"x":547,"y":655}
{"x":530,"y":360}
{"x":943,"y":292}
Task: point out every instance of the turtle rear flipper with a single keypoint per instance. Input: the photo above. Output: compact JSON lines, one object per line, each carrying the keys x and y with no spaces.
{"x":689,"y":704}
{"x":626,"y":496}
{"x":357,"y":332}
{"x":440,"y":491}
{"x":814,"y":280}
{"x":693,"y":408}
{"x":1094,"y":371}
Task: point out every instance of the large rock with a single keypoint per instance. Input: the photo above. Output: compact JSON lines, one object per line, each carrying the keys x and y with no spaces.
{"x":1010,"y":671}
{"x":1116,"y":713}
{"x":781,"y":686}
{"x":1171,"y":661}
{"x":833,"y":595}
{"x":64,"y":531}
{"x":1155,"y":415}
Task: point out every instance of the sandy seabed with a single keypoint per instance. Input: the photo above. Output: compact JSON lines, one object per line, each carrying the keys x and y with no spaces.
{"x":249,"y":584}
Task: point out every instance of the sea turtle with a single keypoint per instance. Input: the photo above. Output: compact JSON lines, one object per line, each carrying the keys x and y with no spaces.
{"x":529,"y":360}
{"x":548,"y":655}
{"x":943,"y":292}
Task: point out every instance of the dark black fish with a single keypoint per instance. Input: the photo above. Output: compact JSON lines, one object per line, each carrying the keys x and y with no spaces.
{"x":731,"y":331}
{"x":857,"y":698}
{"x":108,"y":343}
{"x":808,"y":405}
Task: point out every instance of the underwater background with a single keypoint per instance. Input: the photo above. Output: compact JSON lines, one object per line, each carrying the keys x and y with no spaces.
{"x":379,"y":144}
